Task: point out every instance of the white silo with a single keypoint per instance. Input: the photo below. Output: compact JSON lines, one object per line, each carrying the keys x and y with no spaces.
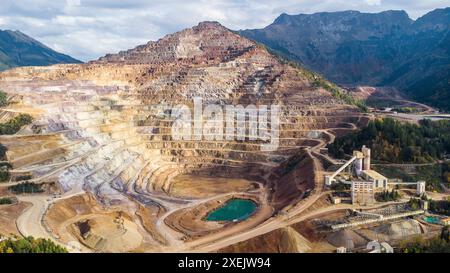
{"x":366,"y":162}
{"x":358,"y":163}
{"x":359,"y":166}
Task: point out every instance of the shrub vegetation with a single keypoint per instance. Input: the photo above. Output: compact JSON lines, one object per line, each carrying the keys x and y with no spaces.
{"x":30,"y":245}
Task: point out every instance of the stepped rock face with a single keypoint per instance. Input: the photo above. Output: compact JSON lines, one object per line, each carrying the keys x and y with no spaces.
{"x":209,"y":41}
{"x":104,"y":127}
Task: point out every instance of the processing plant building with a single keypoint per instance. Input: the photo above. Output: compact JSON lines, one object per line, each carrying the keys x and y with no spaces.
{"x":364,"y":181}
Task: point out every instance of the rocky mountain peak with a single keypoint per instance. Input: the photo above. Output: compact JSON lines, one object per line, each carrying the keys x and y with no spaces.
{"x":438,"y":20}
{"x":210,"y":25}
{"x":282,"y":19}
{"x":205,"y":42}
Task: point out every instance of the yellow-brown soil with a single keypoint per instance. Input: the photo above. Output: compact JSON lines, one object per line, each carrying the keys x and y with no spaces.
{"x":111,"y":232}
{"x":116,"y":229}
{"x":148,"y":217}
{"x":203,"y":187}
{"x":283,"y":240}
{"x":8,"y":216}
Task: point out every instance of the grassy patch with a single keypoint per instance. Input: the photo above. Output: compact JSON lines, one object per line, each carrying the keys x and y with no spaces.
{"x":406,"y":110}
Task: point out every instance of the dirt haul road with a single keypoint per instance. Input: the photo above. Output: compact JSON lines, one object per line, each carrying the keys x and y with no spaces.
{"x":29,"y":223}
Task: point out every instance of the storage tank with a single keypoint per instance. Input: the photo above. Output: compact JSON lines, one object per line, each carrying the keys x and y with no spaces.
{"x":358,"y":166}
{"x":366,"y":162}
{"x":421,"y":187}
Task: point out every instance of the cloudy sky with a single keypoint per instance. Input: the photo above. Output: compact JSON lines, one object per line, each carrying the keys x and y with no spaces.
{"x":88,"y":29}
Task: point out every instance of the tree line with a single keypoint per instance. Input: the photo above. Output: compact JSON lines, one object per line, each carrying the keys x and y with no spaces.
{"x":387,"y":196}
{"x":3,"y":99}
{"x":5,"y":201}
{"x":15,"y":124}
{"x":26,"y":187}
{"x":9,"y":128}
{"x":30,"y":245}
{"x":398,"y":142}
{"x":438,"y":244}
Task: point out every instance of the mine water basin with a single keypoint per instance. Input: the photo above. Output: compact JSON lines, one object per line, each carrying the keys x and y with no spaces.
{"x":432,"y":219}
{"x":233,"y":210}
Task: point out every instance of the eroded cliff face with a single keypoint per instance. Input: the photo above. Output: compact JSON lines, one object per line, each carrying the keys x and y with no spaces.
{"x":104,"y":127}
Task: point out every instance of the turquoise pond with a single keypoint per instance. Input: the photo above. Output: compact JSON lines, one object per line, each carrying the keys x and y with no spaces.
{"x":233,"y":210}
{"x":432,"y":220}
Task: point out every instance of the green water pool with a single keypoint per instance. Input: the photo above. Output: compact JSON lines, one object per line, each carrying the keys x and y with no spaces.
{"x":432,"y":220}
{"x":233,"y":210}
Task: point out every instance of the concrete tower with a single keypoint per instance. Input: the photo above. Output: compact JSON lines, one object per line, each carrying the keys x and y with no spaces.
{"x":421,"y":187}
{"x":366,"y":161}
{"x":358,"y":162}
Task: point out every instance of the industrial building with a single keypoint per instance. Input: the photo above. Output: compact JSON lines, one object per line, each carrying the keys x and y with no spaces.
{"x":359,"y":163}
{"x":363,"y":180}
{"x":363,"y":192}
{"x":378,"y":180}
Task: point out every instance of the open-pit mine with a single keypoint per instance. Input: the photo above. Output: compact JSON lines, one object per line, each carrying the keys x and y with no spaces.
{"x":113,"y":178}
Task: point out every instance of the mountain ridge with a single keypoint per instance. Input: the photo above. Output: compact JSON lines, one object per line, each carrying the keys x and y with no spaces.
{"x":353,"y":48}
{"x":18,"y":49}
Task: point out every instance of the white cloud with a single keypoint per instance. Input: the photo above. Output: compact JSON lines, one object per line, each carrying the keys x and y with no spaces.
{"x":88,"y":29}
{"x":373,"y":2}
{"x":73,"y":3}
{"x":3,"y":21}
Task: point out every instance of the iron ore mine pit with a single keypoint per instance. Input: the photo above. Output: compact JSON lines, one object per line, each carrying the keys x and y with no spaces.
{"x":102,"y":133}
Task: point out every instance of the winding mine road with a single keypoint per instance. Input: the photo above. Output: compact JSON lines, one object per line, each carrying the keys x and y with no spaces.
{"x":29,"y":222}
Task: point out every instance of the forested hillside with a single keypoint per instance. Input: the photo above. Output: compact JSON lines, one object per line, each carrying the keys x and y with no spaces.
{"x":398,"y":142}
